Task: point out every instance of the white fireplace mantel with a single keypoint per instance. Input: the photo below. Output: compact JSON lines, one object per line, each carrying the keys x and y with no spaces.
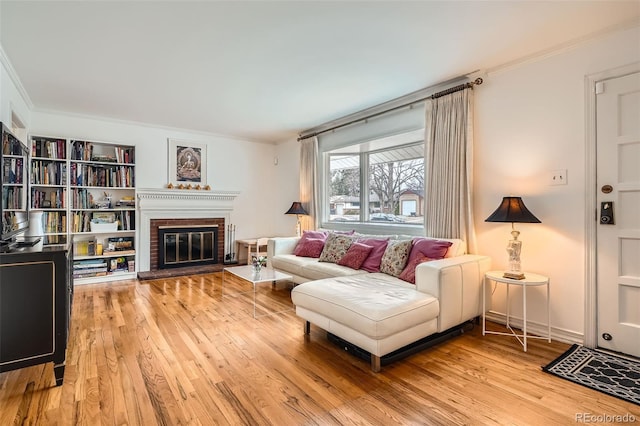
{"x":177,"y":204}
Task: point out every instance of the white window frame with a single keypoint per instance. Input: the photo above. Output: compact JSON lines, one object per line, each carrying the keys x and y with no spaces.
{"x":363,"y":225}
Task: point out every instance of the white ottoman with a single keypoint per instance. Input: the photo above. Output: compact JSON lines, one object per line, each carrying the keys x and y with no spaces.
{"x":376,"y":312}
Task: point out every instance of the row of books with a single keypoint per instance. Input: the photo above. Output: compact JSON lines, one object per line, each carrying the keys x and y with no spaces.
{"x":54,"y":222}
{"x":82,"y":199}
{"x":12,"y":170}
{"x":125,"y":155}
{"x":48,"y":148}
{"x":48,"y":173}
{"x":12,"y":197}
{"x":102,"y":267}
{"x":81,"y":150}
{"x":90,"y":268}
{"x":106,"y":176}
{"x":54,"y":198}
{"x":10,"y":145}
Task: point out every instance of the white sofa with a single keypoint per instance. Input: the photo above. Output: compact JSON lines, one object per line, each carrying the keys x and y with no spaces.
{"x":381,"y":313}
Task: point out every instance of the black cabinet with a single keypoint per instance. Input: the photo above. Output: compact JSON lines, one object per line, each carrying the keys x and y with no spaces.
{"x":35,"y":308}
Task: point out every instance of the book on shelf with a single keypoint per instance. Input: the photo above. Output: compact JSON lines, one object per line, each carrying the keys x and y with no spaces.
{"x":118,"y":252}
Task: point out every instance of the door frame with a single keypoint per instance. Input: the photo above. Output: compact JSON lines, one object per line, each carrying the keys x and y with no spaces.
{"x":591,"y":208}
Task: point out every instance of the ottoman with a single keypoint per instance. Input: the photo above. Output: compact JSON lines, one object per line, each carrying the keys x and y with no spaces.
{"x":376,"y":312}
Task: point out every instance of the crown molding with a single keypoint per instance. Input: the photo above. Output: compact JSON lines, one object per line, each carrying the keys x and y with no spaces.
{"x":13,"y":75}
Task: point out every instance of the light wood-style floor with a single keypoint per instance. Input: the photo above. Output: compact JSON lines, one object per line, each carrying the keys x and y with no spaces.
{"x":176,"y":351}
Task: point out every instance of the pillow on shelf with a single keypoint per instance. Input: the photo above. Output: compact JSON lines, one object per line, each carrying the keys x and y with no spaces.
{"x":435,"y":249}
{"x":335,"y":248}
{"x":409,"y":272}
{"x":309,"y":247}
{"x":395,"y":257}
{"x":372,"y":263}
{"x":356,"y":255}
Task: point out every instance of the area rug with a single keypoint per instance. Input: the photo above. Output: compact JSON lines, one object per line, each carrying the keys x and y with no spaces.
{"x":599,"y":370}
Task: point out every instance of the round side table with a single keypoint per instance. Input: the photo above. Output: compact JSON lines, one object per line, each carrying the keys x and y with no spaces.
{"x":530,"y":280}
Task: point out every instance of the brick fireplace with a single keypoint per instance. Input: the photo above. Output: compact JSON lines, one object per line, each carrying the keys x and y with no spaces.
{"x":174,"y":207}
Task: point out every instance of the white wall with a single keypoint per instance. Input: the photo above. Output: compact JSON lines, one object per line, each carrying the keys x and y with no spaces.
{"x":530,"y":119}
{"x":233,"y":165}
{"x":287,"y":186}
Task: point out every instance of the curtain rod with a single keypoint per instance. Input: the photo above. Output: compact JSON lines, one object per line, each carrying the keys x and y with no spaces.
{"x":478,"y":81}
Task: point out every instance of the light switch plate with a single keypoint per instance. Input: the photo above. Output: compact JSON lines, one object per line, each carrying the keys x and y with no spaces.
{"x":558,"y":177}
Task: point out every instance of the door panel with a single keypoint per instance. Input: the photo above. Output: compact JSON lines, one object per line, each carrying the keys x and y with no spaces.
{"x":618,"y":239}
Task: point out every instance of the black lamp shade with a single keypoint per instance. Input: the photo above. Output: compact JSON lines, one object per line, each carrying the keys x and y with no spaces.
{"x":512,"y":209}
{"x":296,"y":208}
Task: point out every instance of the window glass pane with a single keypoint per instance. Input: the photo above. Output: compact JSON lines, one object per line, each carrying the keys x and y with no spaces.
{"x":344,"y":188}
{"x":396,"y":185}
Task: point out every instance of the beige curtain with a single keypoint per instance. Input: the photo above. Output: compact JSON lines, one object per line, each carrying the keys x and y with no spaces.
{"x":449,"y":167}
{"x":309,"y":182}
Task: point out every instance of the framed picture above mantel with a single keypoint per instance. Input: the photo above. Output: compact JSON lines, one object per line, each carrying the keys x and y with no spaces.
{"x":187,"y":162}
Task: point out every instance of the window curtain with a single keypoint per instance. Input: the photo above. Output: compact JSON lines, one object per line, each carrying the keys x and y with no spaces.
{"x":309,"y":182}
{"x":449,"y":167}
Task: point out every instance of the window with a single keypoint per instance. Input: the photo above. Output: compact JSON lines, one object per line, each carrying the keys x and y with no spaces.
{"x":386,"y":176}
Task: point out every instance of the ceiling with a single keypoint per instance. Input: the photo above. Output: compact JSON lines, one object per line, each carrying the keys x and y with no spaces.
{"x":266,"y":70}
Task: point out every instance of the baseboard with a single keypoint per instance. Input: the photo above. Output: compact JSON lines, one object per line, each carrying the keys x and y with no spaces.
{"x":559,"y":334}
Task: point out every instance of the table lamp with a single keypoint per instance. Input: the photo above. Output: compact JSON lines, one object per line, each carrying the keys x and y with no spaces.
{"x":513,"y":210}
{"x":297,"y":209}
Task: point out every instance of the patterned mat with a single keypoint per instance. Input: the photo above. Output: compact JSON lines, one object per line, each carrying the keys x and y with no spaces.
{"x":607,"y":373}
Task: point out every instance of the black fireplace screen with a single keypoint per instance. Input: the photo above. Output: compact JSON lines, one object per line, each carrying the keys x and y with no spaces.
{"x":187,"y":246}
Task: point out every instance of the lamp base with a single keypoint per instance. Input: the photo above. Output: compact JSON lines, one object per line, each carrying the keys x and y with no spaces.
{"x":514,"y":275}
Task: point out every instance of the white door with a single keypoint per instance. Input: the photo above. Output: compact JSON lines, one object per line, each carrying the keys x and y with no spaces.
{"x":618,"y":235}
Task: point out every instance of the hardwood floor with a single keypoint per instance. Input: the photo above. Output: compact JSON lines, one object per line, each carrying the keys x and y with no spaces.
{"x":177,"y":351}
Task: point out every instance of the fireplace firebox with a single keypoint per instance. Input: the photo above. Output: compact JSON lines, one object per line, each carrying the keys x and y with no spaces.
{"x":181,"y":246}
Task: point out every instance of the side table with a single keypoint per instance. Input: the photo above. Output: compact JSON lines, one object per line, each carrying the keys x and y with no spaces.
{"x":530,"y":280}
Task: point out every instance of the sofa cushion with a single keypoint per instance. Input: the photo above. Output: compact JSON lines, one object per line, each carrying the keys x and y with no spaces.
{"x":376,"y":305}
{"x":321,"y":270}
{"x":395,"y":257}
{"x":309,"y":247}
{"x":292,"y":264}
{"x":335,"y":247}
{"x":372,"y":263}
{"x":356,"y":255}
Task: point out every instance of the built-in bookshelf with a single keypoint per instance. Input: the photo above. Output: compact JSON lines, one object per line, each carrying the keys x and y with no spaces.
{"x":13,"y":185}
{"x":49,"y":187}
{"x":86,"y":191}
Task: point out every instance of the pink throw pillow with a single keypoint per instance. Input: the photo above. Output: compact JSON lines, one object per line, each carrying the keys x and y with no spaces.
{"x":309,"y":247}
{"x":433,"y":249}
{"x":314,"y":234}
{"x":409,"y":272}
{"x":356,"y":255}
{"x":372,"y":263}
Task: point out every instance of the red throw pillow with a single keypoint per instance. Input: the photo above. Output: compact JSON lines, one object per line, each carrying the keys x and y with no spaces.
{"x":433,"y":249}
{"x":356,"y":255}
{"x":309,"y":247}
{"x":372,"y":263}
{"x":408,"y":274}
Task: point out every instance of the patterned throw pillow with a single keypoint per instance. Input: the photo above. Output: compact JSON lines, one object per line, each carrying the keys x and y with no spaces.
{"x":309,"y":247}
{"x":356,"y":255}
{"x":409,"y":273}
{"x":335,"y":248}
{"x":395,"y":257}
